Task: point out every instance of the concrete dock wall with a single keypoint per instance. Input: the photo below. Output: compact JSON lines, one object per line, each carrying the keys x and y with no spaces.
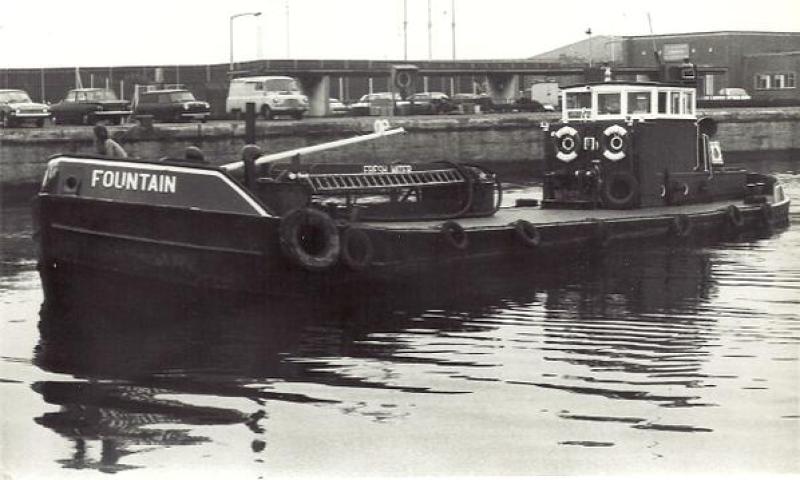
{"x":486,"y":139}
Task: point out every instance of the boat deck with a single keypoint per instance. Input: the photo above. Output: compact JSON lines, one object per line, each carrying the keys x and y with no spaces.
{"x":540,"y":216}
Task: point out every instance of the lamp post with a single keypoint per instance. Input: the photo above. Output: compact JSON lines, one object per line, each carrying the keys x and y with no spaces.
{"x":230,"y":31}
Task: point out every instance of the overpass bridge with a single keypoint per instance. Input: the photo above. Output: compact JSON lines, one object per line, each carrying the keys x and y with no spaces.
{"x":346,"y":79}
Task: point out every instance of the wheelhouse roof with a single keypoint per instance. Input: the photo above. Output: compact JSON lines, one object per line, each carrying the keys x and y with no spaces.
{"x":622,"y":83}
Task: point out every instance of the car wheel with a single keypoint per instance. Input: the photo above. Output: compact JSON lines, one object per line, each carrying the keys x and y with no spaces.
{"x":40,"y":122}
{"x":266,"y":112}
{"x":86,"y":119}
{"x":297,"y":115}
{"x":6,"y":122}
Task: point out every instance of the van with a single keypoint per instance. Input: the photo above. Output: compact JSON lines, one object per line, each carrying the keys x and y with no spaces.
{"x":271,"y":96}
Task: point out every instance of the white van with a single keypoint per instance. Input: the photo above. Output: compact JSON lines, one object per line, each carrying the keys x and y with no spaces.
{"x":271,"y":95}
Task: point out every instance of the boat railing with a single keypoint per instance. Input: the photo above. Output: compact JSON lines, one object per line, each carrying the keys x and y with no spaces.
{"x":328,"y":183}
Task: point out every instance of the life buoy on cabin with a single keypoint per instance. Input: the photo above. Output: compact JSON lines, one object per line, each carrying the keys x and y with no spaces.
{"x":620,"y":190}
{"x":527,"y":233}
{"x":309,"y":238}
{"x":567,"y":142}
{"x":615,"y":142}
{"x":734,"y":217}
{"x":357,"y":249}
{"x":454,"y":234}
{"x":681,"y":225}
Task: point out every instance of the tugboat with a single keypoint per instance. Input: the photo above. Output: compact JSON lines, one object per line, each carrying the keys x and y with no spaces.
{"x":628,"y":161}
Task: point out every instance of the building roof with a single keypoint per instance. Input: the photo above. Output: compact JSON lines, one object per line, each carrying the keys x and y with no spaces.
{"x":601,"y":48}
{"x":773,"y":54}
{"x":716,"y":34}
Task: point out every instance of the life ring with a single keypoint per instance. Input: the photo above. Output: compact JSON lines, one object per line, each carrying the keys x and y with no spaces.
{"x":614,"y":143}
{"x":734,"y":217}
{"x":681,"y":225}
{"x":454,"y":234}
{"x":357,"y":249}
{"x":567,"y":142}
{"x":309,"y":238}
{"x":527,"y":233}
{"x":620,"y":190}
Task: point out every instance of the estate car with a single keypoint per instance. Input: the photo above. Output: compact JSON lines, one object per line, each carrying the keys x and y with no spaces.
{"x":172,"y":105}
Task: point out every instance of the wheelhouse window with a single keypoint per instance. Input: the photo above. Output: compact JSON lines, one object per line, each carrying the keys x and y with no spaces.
{"x":662,"y":102}
{"x":578,"y":104}
{"x":675,"y":103}
{"x":688,"y":103}
{"x":639,"y":102}
{"x":609,"y":104}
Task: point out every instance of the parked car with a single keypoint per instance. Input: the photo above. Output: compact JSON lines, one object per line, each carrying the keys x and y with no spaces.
{"x":366,"y":102}
{"x":733,"y":93}
{"x":88,"y":106}
{"x":336,"y":107}
{"x":525,"y":104}
{"x":16,"y":107}
{"x":172,"y":105}
{"x":430,"y":103}
{"x":271,"y":96}
{"x":467,"y":102}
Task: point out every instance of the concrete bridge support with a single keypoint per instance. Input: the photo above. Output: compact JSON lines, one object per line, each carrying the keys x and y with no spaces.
{"x":502,"y":88}
{"x":317,"y":89}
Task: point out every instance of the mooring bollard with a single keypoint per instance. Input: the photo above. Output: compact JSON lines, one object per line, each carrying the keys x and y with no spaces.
{"x":250,"y":123}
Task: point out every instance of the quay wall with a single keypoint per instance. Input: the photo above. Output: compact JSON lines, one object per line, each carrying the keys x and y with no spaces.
{"x":492,"y":140}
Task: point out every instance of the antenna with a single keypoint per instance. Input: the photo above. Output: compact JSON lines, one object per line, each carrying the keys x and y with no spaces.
{"x":655,"y":50}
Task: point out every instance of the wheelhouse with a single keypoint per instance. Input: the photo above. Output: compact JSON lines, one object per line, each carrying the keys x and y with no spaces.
{"x":627,"y":102}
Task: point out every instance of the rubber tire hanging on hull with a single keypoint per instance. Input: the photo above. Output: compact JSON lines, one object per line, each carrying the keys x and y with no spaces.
{"x":357,"y":249}
{"x":309,"y":238}
{"x":628,"y":199}
{"x":527,"y":233}
{"x":734,"y":218}
{"x":454,"y":234}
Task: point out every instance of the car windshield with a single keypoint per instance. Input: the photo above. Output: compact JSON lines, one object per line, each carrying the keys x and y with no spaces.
{"x":15,"y":97}
{"x":181,"y":97}
{"x":99,"y":95}
{"x":281,"y":85}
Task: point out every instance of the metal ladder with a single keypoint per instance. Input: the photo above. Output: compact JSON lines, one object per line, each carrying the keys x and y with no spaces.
{"x":365,"y":182}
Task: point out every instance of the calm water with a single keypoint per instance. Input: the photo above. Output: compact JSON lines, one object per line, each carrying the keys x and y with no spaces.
{"x":664,"y":360}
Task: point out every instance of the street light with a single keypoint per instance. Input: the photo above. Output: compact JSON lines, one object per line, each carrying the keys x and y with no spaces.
{"x":230,"y":31}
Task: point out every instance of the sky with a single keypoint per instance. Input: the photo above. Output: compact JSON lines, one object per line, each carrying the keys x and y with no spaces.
{"x":61,"y":33}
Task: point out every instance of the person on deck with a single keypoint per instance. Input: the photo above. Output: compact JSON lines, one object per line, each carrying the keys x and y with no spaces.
{"x":106,"y":146}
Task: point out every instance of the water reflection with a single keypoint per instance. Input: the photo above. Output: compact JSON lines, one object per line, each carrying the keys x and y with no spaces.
{"x":624,"y":327}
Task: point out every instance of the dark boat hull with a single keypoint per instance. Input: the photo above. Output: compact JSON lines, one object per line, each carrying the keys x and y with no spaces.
{"x":229,"y":251}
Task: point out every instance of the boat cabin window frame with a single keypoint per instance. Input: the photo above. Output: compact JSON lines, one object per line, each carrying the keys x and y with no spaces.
{"x":665,"y":102}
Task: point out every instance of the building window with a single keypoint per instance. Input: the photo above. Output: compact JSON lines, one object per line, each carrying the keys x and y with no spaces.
{"x":762,"y":82}
{"x":775,"y":81}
